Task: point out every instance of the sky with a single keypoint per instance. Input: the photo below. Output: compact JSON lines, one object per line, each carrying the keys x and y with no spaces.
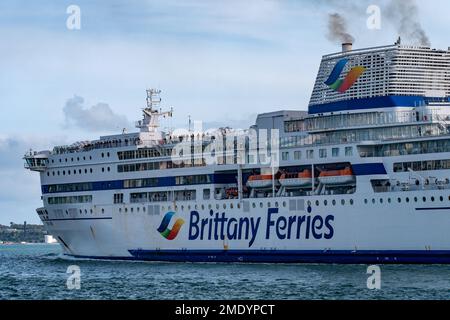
{"x":221,"y":62}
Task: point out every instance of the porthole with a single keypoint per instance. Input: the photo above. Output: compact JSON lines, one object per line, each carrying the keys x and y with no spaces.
{"x":365,"y":201}
{"x":441,"y":198}
{"x":176,"y":207}
{"x":209,"y":206}
{"x":432,"y":199}
{"x":64,"y":172}
{"x":79,"y":171}
{"x":120,"y":209}
{"x":260,"y":204}
{"x":182,"y":208}
{"x":68,"y":172}
{"x":84,"y":158}
{"x":399,"y":200}
{"x":317,"y":203}
{"x":103,"y":155}
{"x":333,"y":202}
{"x":309,"y":203}
{"x":85,"y":211}
{"x":126,"y":209}
{"x":268,"y":205}
{"x":131,"y":209}
{"x":196,"y":207}
{"x":103,"y":210}
{"x":351,"y":202}
{"x":53,"y":173}
{"x":373,"y":201}
{"x":103,"y":169}
{"x":90,"y":170}
{"x":107,"y":154}
{"x":203,"y":207}
{"x":66,"y":159}
{"x":78,"y":158}
{"x":239,"y":205}
{"x":343,"y":202}
{"x":325,"y":203}
{"x":224,"y":206}
{"x":85,"y":170}
{"x":389,"y":200}
{"x":91,"y":211}
{"x":143,"y":208}
{"x":169,"y":208}
{"x":407,"y":200}
{"x":81,"y":211}
{"x":71,"y":159}
{"x":254,"y":205}
{"x":231,"y":206}
{"x":109,"y":169}
{"x":415,"y":199}
{"x":424,"y":199}
{"x":137,"y":209}
{"x":74,"y":171}
{"x":217,"y":206}
{"x":90,"y":157}
{"x":381,"y":200}
{"x":48,"y":174}
{"x":284,"y":204}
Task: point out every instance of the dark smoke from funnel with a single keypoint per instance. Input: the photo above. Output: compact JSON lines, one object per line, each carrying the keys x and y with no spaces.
{"x":405,"y":15}
{"x":337,"y":29}
{"x":402,"y":14}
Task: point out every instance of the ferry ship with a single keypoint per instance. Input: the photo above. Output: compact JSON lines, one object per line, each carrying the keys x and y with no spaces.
{"x":362,"y":177}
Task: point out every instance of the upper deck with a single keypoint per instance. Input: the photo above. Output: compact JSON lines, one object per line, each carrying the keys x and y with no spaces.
{"x":381,"y":77}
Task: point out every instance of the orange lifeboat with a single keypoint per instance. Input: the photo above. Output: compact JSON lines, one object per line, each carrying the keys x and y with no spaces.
{"x":299,"y":179}
{"x":337,"y":177}
{"x":260,"y":181}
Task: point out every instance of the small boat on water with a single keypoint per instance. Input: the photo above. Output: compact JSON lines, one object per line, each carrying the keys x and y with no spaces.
{"x":337,"y":177}
{"x":297,"y":179}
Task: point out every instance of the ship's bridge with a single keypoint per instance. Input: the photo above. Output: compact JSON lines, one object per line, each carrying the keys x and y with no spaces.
{"x":36,"y":161}
{"x":395,"y":76}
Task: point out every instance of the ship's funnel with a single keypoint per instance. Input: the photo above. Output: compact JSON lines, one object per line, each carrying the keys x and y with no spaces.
{"x":347,"y":46}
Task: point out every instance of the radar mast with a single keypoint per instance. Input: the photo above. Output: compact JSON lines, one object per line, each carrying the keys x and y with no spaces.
{"x":152,"y":113}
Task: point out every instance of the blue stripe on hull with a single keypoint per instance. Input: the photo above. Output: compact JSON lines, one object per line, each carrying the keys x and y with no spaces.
{"x":287,"y":256}
{"x":374,"y":103}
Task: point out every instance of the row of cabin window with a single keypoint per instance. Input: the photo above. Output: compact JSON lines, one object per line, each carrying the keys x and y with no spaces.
{"x":422,"y":165}
{"x":323,"y":153}
{"x":69,"y":199}
{"x":79,"y":159}
{"x":74,"y":172}
{"x":407,"y":200}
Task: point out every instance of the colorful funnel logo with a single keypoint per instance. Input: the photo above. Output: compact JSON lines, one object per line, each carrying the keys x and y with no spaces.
{"x":167,"y":233}
{"x":342,"y":85}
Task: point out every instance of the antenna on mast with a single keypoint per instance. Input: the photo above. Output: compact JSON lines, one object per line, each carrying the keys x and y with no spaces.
{"x":152,"y":113}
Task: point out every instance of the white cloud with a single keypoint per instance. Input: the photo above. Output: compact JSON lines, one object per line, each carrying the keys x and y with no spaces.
{"x":99,"y":117}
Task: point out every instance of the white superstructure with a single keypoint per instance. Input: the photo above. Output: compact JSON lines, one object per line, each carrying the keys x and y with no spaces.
{"x":363,"y":177}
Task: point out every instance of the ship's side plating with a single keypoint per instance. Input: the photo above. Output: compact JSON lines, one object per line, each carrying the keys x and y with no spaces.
{"x":362,"y":178}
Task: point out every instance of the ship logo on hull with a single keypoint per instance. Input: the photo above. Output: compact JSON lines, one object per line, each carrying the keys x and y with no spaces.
{"x":164,"y":229}
{"x":342,"y":85}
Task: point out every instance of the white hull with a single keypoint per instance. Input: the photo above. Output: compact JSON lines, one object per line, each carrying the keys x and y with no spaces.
{"x":351,"y":229}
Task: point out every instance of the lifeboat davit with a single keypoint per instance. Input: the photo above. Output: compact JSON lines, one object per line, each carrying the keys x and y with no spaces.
{"x":292,"y":180}
{"x":337,"y":177}
{"x":260,"y":181}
